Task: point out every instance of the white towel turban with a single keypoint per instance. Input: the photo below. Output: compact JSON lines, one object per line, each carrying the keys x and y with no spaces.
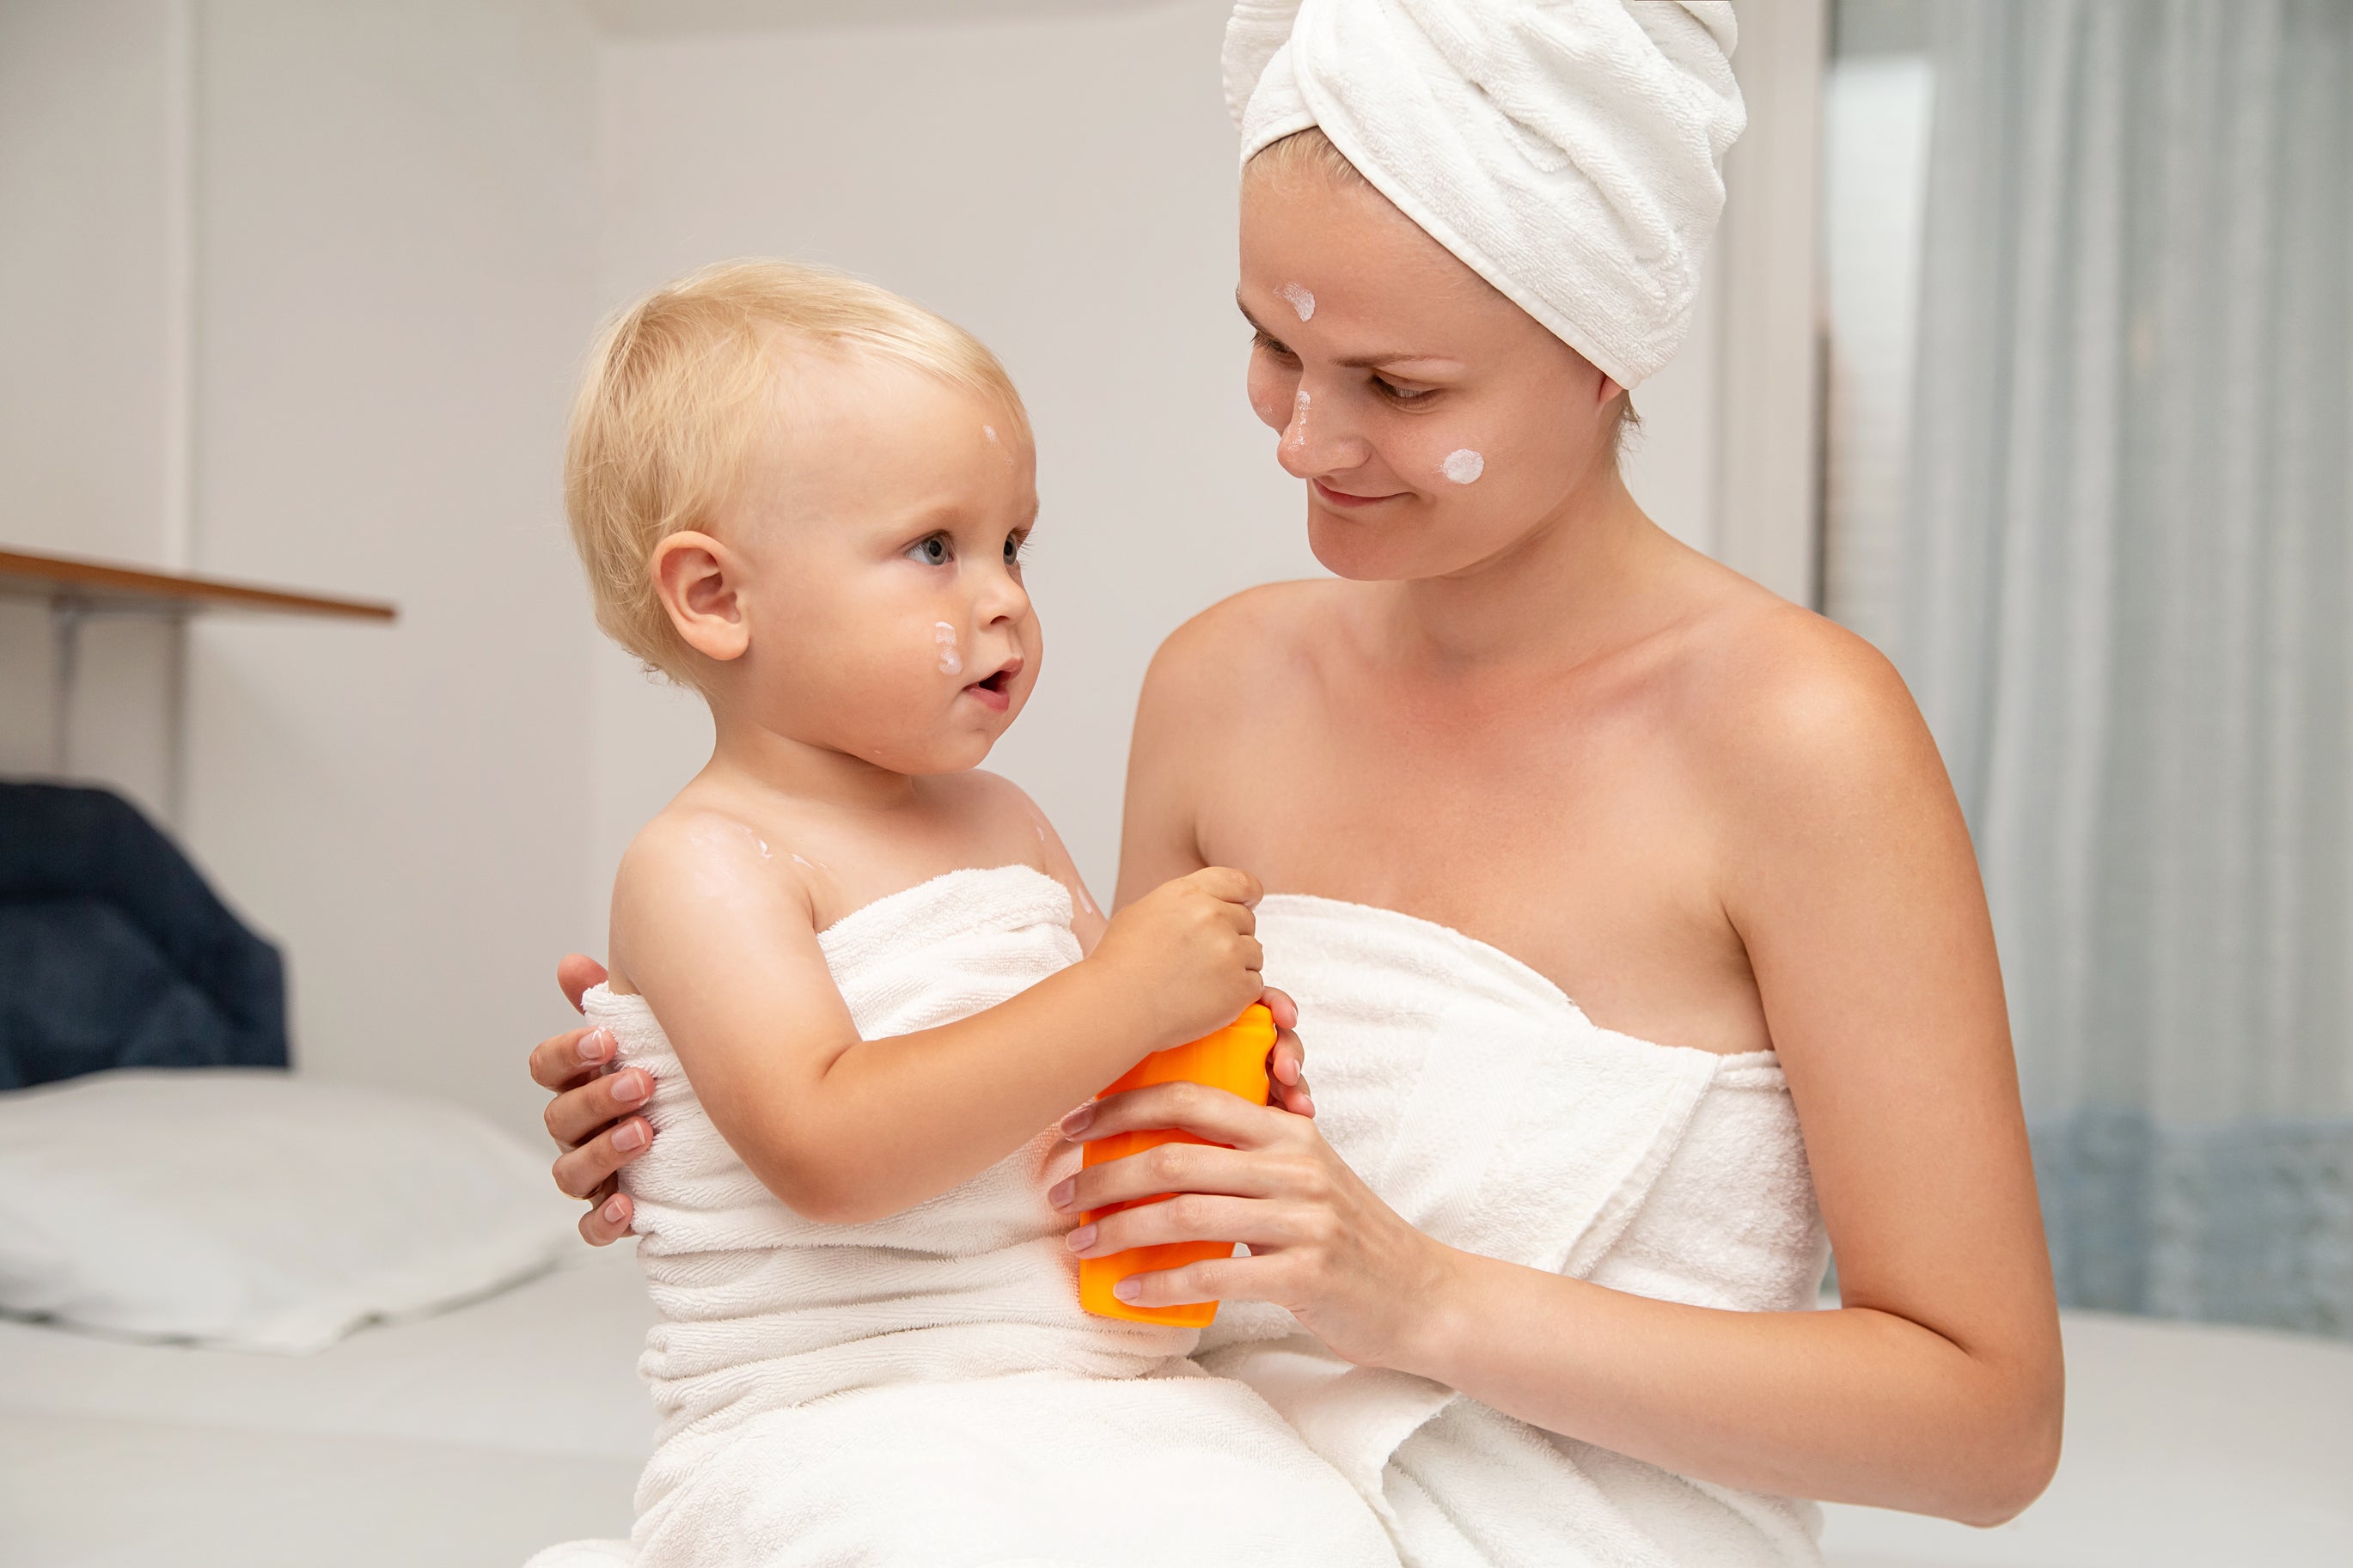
{"x":1569,"y":152}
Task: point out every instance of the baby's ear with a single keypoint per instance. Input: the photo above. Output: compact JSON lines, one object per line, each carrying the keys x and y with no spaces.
{"x":694,"y":574}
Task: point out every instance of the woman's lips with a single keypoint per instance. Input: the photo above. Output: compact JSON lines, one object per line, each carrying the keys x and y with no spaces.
{"x":1331,"y":496}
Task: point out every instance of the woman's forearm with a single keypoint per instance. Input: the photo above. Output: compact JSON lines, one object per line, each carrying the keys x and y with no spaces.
{"x":1851,"y":1405}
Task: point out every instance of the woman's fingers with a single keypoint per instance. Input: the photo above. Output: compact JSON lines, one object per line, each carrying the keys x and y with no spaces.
{"x":1278,"y":1003}
{"x":580,"y":1172}
{"x":1216,"y":1279}
{"x":578,"y":1114}
{"x":575,"y":972}
{"x":1170,"y":1168}
{"x":571,"y":1058}
{"x":1208,"y":1113}
{"x":1286,"y":1071}
{"x":1191,"y":1216}
{"x":608,"y":1215}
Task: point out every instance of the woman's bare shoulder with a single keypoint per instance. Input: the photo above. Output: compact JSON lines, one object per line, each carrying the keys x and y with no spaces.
{"x":1245,"y":636}
{"x":1793,"y":710}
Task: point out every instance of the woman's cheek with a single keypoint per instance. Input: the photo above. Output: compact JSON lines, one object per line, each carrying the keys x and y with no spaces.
{"x":1270,"y":391}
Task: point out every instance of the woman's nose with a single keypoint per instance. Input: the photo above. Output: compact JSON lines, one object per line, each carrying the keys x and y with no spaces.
{"x":1311,"y":445}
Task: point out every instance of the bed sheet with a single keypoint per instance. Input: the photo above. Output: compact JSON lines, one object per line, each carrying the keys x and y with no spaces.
{"x":96,"y":1491}
{"x":548,"y":1367}
{"x":2188,"y":1446}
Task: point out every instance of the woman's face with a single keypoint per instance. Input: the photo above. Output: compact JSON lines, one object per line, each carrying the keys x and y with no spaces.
{"x":1437,"y":424}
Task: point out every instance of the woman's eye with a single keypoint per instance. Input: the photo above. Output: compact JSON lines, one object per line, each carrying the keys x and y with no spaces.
{"x":933,"y":550}
{"x":1397,"y":393}
{"x":1269,"y":345}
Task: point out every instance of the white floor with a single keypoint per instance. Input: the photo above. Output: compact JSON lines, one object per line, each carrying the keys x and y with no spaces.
{"x":476,"y":1438}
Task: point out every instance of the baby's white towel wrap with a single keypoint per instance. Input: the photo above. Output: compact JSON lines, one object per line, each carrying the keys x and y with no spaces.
{"x":1468,"y":1089}
{"x":925,"y":1390}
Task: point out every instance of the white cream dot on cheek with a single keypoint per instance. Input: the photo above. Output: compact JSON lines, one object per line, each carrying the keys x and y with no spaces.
{"x":1298,"y":433}
{"x":944,"y":638}
{"x":1300,"y":298}
{"x":1463,"y":464}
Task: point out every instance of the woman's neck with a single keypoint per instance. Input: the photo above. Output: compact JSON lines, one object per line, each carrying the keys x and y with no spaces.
{"x":1569,"y":588}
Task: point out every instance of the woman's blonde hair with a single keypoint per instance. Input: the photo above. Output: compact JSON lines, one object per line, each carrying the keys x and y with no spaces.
{"x":676,"y":392}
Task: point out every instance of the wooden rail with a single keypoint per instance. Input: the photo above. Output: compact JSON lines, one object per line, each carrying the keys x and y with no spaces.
{"x":65,"y":579}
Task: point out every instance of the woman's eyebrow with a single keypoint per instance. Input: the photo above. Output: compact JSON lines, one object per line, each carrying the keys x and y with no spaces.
{"x":1355,"y":362}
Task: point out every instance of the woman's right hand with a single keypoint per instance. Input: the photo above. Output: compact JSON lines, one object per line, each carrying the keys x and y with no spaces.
{"x":592,"y":1117}
{"x":1189,"y":953}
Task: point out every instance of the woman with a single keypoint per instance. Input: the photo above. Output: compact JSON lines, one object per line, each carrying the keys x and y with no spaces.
{"x":1544,"y":1265}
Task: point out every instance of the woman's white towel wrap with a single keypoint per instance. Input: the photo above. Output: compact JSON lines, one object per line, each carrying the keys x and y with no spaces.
{"x":1569,"y":152}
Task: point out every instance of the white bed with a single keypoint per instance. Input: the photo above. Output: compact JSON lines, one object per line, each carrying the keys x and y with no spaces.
{"x":479,"y":1434}
{"x":474,"y":1437}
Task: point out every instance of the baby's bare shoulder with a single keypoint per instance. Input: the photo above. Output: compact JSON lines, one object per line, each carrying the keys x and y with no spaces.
{"x":691,"y":841}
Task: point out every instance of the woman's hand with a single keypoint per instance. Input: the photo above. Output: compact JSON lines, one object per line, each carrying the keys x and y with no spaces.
{"x":1322,"y":1245}
{"x":591,"y":1116}
{"x":1286,"y":1064}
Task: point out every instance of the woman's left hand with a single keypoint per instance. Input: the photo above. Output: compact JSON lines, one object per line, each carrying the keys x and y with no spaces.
{"x":1355,"y":1274}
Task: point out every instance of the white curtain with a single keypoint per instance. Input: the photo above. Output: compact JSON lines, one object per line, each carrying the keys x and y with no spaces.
{"x":2125,"y":611}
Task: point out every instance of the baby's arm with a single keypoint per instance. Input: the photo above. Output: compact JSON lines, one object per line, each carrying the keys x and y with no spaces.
{"x":722,"y":944}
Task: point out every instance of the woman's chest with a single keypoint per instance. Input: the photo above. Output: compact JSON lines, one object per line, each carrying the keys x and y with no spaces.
{"x":1571,"y":841}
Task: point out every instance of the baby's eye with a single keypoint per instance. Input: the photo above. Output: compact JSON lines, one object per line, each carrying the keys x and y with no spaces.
{"x":1016,"y":546}
{"x":931,"y":549}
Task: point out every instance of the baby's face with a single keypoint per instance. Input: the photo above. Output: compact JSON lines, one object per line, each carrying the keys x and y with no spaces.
{"x":880,"y":532}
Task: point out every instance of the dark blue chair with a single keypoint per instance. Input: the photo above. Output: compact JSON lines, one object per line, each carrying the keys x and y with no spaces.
{"x":113,"y":951}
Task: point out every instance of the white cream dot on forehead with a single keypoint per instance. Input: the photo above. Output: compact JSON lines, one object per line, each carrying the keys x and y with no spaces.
{"x":944,"y":636}
{"x":1463,"y":464}
{"x":1300,"y":298}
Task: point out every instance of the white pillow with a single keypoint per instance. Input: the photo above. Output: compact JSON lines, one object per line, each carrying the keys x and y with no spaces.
{"x":249,"y":1208}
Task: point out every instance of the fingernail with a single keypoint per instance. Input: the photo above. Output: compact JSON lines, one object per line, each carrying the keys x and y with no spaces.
{"x":1059,"y":1195}
{"x":1287,"y":1070}
{"x":631,"y":1135}
{"x":1076,"y":1122}
{"x":596,"y":1045}
{"x":614,"y":1211}
{"x":1127,"y":1290}
{"x":1082,"y":1238}
{"x":630,"y":1088}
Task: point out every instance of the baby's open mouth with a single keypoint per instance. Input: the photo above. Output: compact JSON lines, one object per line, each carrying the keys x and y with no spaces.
{"x":996,"y":688}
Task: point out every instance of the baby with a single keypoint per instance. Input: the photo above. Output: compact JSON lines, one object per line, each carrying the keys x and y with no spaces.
{"x":864,"y":976}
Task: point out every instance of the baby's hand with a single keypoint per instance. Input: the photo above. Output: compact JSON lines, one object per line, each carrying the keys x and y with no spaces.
{"x":1187,"y":953}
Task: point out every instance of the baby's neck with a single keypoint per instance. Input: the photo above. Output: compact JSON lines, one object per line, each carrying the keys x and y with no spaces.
{"x":804,"y":770}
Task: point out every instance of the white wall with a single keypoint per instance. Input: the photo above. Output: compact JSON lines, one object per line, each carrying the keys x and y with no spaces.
{"x":392,"y":276}
{"x":1063,"y":186}
{"x":395,"y":284}
{"x":83,"y":176}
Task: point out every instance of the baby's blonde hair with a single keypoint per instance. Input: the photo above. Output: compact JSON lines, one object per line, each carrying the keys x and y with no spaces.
{"x":676,"y":390}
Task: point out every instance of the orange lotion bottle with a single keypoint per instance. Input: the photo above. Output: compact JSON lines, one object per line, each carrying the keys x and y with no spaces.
{"x":1234,"y":1060}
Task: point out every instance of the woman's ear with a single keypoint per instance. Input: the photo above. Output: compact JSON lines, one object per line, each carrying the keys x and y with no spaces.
{"x":697,"y":578}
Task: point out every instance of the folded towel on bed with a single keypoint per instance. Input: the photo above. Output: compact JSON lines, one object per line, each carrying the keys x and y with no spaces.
{"x":924,"y":1389}
{"x":1491,"y":1112}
